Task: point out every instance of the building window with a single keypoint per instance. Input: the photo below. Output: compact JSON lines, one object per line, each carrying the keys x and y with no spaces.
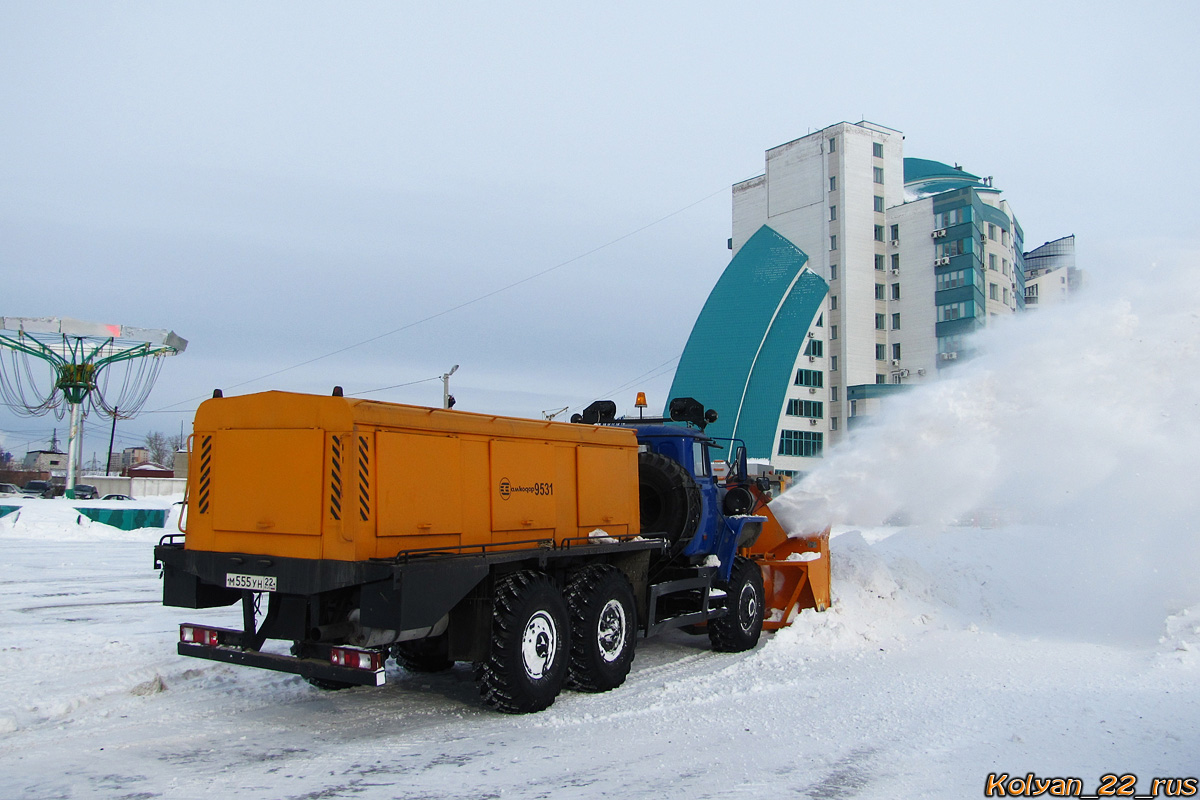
{"x":953,"y":311}
{"x":1004,"y":237}
{"x":879,"y":319}
{"x":810,"y":377}
{"x":895,"y":291}
{"x":1004,"y":267}
{"x":833,"y":183}
{"x":833,"y":242}
{"x":832,"y":144}
{"x":800,"y":443}
{"x":1005,"y":292}
{"x":992,"y":261}
{"x":810,"y":409}
{"x":956,"y":248}
{"x":833,"y":302}
{"x":944,"y":219}
{"x":896,"y":233}
{"x":879,"y":204}
{"x":879,"y":233}
{"x":879,"y":289}
{"x":833,"y":272}
{"x":895,"y":261}
{"x":832,"y":213}
{"x":833,"y":393}
{"x":877,"y":149}
{"x":951,"y":280}
{"x":993,"y":291}
{"x":879,"y":175}
{"x":833,"y":363}
{"x":821,"y":321}
{"x":833,"y":423}
{"x":896,"y":351}
{"x":815,"y":348}
{"x":880,"y":352}
{"x":880,"y":378}
{"x":896,"y":321}
{"x":879,"y":261}
{"x":991,"y":231}
{"x":832,"y":332}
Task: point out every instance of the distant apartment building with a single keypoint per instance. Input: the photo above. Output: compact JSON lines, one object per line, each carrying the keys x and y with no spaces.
{"x":914,"y":256}
{"x":1050,"y":273}
{"x":121,"y":463}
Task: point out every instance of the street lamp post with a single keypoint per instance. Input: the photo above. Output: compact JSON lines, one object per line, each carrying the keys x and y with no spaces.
{"x":447,"y":399}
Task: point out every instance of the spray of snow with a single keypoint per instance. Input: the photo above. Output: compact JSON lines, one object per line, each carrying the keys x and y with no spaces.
{"x":1078,"y":421}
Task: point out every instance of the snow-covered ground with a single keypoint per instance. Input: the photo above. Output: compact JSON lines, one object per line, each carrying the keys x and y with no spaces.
{"x":950,"y":652}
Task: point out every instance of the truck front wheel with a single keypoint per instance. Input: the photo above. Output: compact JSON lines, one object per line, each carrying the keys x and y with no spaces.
{"x":742,"y":624}
{"x":603,"y":628}
{"x":530,"y":645}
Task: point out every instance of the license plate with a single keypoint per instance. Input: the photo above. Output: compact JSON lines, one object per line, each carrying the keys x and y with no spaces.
{"x":255,"y":583}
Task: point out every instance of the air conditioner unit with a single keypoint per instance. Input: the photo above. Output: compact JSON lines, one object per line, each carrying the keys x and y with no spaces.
{"x":895,"y":362}
{"x":811,"y":334}
{"x":941,"y":262}
{"x":812,"y":422}
{"x":812,"y":358}
{"x":812,"y":390}
{"x":938,"y":233}
{"x":895,"y":242}
{"x":896,"y":271}
{"x":950,"y":356}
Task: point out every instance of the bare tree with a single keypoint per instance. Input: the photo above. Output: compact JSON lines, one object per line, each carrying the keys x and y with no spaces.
{"x":162,"y":451}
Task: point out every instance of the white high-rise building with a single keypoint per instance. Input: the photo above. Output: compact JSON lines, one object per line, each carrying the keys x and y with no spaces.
{"x":916,"y":254}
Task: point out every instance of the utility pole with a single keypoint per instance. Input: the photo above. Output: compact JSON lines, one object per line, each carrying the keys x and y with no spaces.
{"x":111,"y":436}
{"x":447,"y":398}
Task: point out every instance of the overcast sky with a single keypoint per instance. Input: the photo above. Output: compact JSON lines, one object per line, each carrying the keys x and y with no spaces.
{"x":278,"y":181}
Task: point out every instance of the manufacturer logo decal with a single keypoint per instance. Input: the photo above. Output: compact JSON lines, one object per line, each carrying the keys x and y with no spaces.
{"x":507,"y":489}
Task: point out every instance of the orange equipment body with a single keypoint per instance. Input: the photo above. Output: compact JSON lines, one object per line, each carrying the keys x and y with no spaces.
{"x":343,"y":479}
{"x":795,"y":569}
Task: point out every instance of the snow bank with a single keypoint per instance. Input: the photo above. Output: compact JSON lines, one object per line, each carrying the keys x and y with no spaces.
{"x":58,"y":520}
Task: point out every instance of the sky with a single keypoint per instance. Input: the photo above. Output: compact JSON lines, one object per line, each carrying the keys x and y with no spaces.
{"x":367,"y":194}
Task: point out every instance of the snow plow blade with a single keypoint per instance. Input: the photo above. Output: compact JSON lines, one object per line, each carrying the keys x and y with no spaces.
{"x":795,"y":569}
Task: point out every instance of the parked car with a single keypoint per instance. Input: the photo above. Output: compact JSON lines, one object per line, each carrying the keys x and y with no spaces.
{"x":116,"y":497}
{"x":38,"y":489}
{"x":10,"y":490}
{"x":85,"y":492}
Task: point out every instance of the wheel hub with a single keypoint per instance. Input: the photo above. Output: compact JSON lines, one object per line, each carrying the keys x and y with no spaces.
{"x":747,"y":607}
{"x":611,"y":631}
{"x":539,"y":644}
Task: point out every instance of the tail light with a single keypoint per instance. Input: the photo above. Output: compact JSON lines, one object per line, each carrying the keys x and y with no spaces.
{"x":356,"y":659}
{"x":194,"y":634}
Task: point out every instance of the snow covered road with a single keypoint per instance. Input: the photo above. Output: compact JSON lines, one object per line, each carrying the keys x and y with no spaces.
{"x":937,"y":666}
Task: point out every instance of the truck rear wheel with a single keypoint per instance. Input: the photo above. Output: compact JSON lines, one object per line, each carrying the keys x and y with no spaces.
{"x":603,"y":628}
{"x":741,"y":626}
{"x":669,"y":500}
{"x":530,"y":645}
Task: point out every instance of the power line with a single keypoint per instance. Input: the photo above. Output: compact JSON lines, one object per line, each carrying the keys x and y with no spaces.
{"x":462,"y":305}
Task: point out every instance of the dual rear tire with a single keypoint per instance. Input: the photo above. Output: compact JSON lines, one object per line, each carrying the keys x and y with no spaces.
{"x":544,"y":639}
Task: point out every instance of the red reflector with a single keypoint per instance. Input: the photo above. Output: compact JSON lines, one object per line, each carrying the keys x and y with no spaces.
{"x":355,"y":659}
{"x":193,"y":634}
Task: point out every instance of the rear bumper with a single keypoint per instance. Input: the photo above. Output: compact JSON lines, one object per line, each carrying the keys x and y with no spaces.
{"x":304,"y":667}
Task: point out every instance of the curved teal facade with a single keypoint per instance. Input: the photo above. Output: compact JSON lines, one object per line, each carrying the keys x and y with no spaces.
{"x":739,"y":357}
